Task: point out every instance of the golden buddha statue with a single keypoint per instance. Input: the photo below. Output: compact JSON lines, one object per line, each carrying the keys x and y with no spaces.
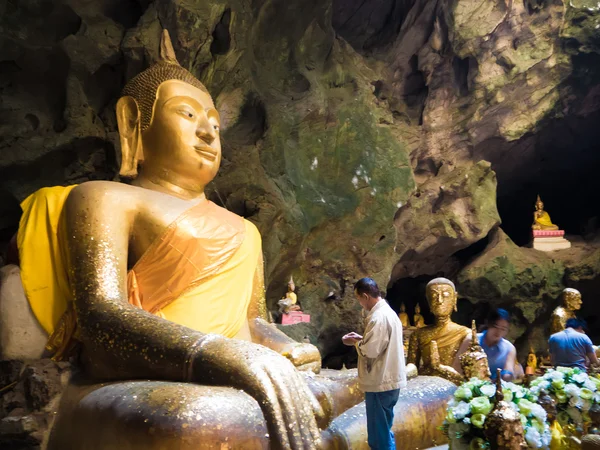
{"x":474,"y":362}
{"x":571,"y":302}
{"x":154,"y":282}
{"x":403,"y":316}
{"x":289,"y":301}
{"x":449,"y":336}
{"x":531,"y":361}
{"x":541,"y":219}
{"x":418,"y":319}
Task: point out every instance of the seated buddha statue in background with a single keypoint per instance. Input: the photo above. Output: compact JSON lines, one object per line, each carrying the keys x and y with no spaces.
{"x":570,"y":302}
{"x":163,"y":292}
{"x":449,"y":336}
{"x":403,"y":316}
{"x":541,"y":219}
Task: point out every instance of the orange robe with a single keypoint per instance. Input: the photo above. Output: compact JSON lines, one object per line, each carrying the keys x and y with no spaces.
{"x":199,"y":273}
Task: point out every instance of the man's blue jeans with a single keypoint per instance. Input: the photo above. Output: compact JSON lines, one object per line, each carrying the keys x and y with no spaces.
{"x":380,"y":417}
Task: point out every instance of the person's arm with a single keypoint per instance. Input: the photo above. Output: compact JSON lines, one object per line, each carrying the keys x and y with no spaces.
{"x":508,"y":373}
{"x":375,"y":339}
{"x":590,"y":353}
{"x":550,"y":345}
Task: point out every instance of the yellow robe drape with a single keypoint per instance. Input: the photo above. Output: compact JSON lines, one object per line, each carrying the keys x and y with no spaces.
{"x":199,"y":273}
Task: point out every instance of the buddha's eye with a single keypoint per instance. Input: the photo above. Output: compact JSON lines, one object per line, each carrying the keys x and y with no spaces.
{"x":216,"y":127}
{"x":445,"y":294}
{"x":186,"y":113}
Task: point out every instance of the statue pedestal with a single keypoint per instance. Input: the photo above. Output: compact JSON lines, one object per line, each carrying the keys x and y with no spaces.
{"x":550,"y":240}
{"x":294,"y":317}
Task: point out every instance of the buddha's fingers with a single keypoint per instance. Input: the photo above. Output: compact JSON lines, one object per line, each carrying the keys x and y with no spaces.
{"x":266,"y":396}
{"x":316,"y":410}
{"x":291,"y":405}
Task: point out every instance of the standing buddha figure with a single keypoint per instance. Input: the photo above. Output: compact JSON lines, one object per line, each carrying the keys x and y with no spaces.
{"x":418,"y":319}
{"x":403,"y":316}
{"x":541,"y":219}
{"x":449,"y":336}
{"x":571,"y":302}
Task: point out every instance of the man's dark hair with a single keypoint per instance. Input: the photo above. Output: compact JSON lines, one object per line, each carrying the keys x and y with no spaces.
{"x":576,"y":324}
{"x":497,"y":314}
{"x":367,"y":286}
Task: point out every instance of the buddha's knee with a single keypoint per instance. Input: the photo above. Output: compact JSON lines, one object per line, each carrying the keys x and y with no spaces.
{"x":153,"y":415}
{"x":421,"y":408}
{"x":21,"y":336}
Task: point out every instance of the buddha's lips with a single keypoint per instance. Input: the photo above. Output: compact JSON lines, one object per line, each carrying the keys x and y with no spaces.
{"x":207,"y":152}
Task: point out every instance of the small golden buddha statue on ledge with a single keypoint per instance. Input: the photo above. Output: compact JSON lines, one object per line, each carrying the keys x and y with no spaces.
{"x":418,"y":319}
{"x":403,"y":316}
{"x":449,"y":336}
{"x":570,"y":302}
{"x":541,"y":219}
{"x":290,"y":301}
{"x":474,"y":362}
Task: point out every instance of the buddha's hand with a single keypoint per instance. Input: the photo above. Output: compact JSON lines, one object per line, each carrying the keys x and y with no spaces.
{"x":304,"y":356}
{"x":289,"y":407}
{"x":449,"y":373}
{"x":411,"y":371}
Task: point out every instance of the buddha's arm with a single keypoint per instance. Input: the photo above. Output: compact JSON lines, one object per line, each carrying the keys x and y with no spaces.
{"x":303,"y":356}
{"x":414,"y":352}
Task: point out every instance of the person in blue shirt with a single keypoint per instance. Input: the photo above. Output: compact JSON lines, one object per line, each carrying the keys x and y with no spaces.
{"x":572,"y":347}
{"x":500,"y":352}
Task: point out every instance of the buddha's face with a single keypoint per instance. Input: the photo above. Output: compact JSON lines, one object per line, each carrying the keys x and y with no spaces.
{"x":417,"y":309}
{"x":402,"y":307}
{"x":572,"y":300}
{"x":183,"y":137}
{"x":291,"y":286}
{"x":441,"y":299}
{"x":539,"y":205}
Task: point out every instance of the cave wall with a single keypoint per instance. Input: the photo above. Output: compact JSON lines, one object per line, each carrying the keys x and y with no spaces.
{"x":382,"y":138}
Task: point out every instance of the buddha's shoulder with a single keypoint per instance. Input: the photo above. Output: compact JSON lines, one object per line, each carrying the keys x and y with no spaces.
{"x":103,"y":195}
{"x":231,"y":217}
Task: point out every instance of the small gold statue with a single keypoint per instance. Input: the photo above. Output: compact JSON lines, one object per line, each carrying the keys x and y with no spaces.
{"x":289,"y":302}
{"x":541,"y":219}
{"x":532,"y":361}
{"x":474,"y":362}
{"x":503,"y":427}
{"x":403,"y":316}
{"x":571,"y":302}
{"x":418,"y":319}
{"x":449,"y":336}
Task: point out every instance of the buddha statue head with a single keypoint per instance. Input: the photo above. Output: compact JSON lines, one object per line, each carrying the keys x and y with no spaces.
{"x":539,"y":205}
{"x":291,"y":285}
{"x":441,"y":296}
{"x":402,"y":308}
{"x":571,"y":299}
{"x":417,"y":309}
{"x":168,"y":123}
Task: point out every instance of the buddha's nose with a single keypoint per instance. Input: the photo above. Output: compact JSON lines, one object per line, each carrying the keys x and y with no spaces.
{"x":206,"y":132}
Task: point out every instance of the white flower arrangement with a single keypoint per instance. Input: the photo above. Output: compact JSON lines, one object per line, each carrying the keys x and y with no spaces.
{"x":574,"y":392}
{"x":474,"y":400}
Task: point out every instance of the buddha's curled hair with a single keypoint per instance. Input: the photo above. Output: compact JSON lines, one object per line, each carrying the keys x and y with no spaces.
{"x":143,"y":87}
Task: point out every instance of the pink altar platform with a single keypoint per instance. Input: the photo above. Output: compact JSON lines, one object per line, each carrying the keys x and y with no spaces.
{"x":294,"y":317}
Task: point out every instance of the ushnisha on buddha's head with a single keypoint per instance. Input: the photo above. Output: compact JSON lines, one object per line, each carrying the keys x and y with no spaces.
{"x":441,"y":296}
{"x":571,"y":299}
{"x":169,"y":125}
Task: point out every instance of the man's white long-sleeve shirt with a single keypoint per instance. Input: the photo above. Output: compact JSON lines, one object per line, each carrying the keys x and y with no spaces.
{"x":381,"y":365}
